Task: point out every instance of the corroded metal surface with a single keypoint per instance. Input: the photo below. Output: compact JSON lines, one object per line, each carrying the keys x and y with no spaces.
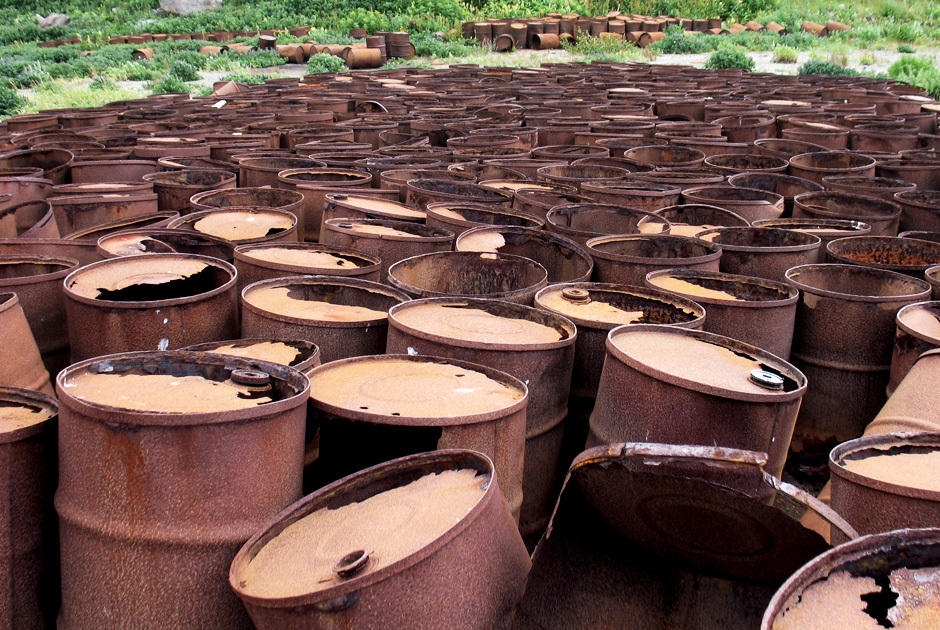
{"x":756,"y":311}
{"x":150,"y":305}
{"x":642,"y":538}
{"x":153,"y":506}
{"x":637,"y":400}
{"x":874,"y":557}
{"x":479,"y":565}
{"x":336,"y":338}
{"x":28,"y":546}
{"x":847,"y":366}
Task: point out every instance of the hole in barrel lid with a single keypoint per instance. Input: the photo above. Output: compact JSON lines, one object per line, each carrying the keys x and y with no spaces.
{"x":206,"y":279}
{"x":351,"y":563}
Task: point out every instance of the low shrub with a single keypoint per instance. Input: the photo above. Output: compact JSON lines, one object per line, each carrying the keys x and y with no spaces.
{"x":323,"y":63}
{"x":725,"y":58}
{"x":785,"y":54}
{"x":10,"y":102}
{"x":818,"y":66}
{"x":168,"y":84}
{"x":183,"y":70}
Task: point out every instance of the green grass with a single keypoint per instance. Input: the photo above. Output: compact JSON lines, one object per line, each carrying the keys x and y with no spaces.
{"x":73,"y":93}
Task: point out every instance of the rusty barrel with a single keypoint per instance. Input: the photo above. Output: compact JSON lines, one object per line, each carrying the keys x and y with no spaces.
{"x":726,"y":392}
{"x":920,"y":210}
{"x":535,"y":347}
{"x":762,"y":252}
{"x":469,"y":274}
{"x":911,"y":256}
{"x":883,"y":216}
{"x":276,"y":260}
{"x":389,"y":241}
{"x":817,"y":165}
{"x":465,"y":572}
{"x":597,"y":308}
{"x":164,"y":241}
{"x":175,"y":188}
{"x":170,"y":462}
{"x":757,"y":311}
{"x":242,"y":224}
{"x":265,"y":198}
{"x":627,"y":259}
{"x":751,"y":204}
{"x":345,"y":317}
{"x":933,"y":277}
{"x":30,"y":219}
{"x":690,"y":219}
{"x":313,"y":184}
{"x":583,"y":221}
{"x":459,"y":217}
{"x":37,"y":282}
{"x":20,"y":362}
{"x":154,"y":302}
{"x":342,"y":205}
{"x":826,"y":229}
{"x":898,"y":568}
{"x":843,"y":340}
{"x":370,"y":409}
{"x":563,"y":259}
{"x":885,"y":482}
{"x":646,"y":196}
{"x":301,"y":355}
{"x":74,"y":213}
{"x":28,"y":547}
{"x":918,"y":331}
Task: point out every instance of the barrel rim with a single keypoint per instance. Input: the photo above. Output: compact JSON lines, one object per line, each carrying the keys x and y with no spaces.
{"x":112,"y":415}
{"x":333,"y":491}
{"x":564,"y":322}
{"x":793,"y":273}
{"x":355,"y":283}
{"x":110,"y":304}
{"x":793,"y":295}
{"x":725,"y":342}
{"x":428,"y":421}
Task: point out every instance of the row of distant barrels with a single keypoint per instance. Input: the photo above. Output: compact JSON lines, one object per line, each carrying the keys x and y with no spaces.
{"x":549,"y":32}
{"x":214,"y":36}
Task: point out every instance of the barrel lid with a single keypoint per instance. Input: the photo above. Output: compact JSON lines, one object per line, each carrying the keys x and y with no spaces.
{"x":726,"y":289}
{"x":921,"y":320}
{"x":386,"y":208}
{"x":130,"y":281}
{"x":22,"y":411}
{"x":307,"y":256}
{"x":305,"y":298}
{"x":412,"y":390}
{"x":484,"y":324}
{"x":604,"y":306}
{"x":389,"y":230}
{"x":901,"y":566}
{"x":650,"y":514}
{"x":178,"y":388}
{"x":706,"y":362}
{"x":242,"y":225}
{"x":352,"y":569}
{"x":296,"y":353}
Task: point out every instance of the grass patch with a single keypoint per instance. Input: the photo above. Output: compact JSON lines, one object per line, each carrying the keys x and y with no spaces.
{"x":603,"y":49}
{"x":76,"y":93}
